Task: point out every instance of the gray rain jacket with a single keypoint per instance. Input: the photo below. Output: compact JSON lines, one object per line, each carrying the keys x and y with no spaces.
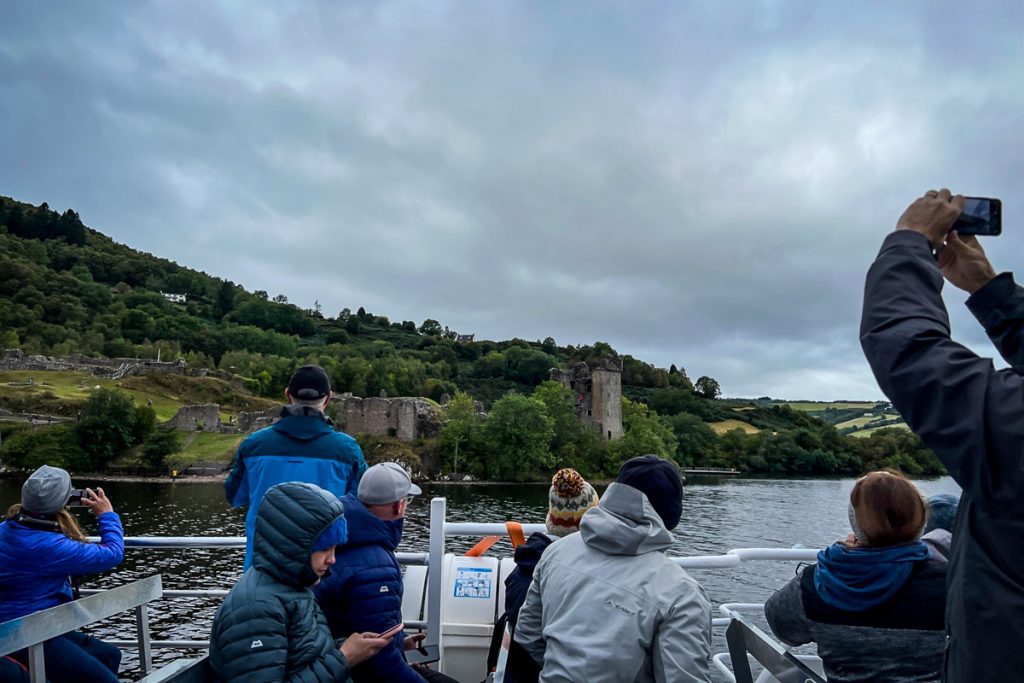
{"x":606,"y":604}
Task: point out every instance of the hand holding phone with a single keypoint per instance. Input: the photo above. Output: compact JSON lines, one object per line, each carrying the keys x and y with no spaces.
{"x":391,"y":631}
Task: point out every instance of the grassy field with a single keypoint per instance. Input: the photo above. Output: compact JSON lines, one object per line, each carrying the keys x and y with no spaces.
{"x":206,"y":447}
{"x":75,"y":387}
{"x":729,"y":425}
{"x":50,"y":391}
{"x":868,"y":432}
{"x":861,"y":422}
{"x":812,"y":406}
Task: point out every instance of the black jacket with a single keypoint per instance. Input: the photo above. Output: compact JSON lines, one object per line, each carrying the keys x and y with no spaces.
{"x":520,"y":667}
{"x":269,"y":627}
{"x":972,"y":416}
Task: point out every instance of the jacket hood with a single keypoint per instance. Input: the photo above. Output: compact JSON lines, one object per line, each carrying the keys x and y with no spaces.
{"x":624,"y":523}
{"x":303,"y":423}
{"x":528,"y":555}
{"x":290,"y":518}
{"x":364,"y":528}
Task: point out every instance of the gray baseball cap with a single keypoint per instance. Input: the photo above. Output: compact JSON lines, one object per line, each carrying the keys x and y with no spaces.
{"x":46,"y":490}
{"x":386,"y":483}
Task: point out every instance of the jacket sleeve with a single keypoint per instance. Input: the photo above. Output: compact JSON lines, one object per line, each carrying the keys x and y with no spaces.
{"x":786,"y":617}
{"x":236,"y":486}
{"x":75,"y":558}
{"x":358,"y":468}
{"x":529,"y":630}
{"x":682,"y":646}
{"x":999,"y":307}
{"x":969,"y":414}
{"x":254,"y":649}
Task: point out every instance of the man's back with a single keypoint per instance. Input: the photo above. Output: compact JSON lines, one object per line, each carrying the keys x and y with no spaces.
{"x":302,"y":446}
{"x":607,"y":605}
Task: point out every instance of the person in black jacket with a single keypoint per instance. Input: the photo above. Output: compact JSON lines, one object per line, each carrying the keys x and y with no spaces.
{"x":269,"y":628}
{"x":970,"y":414}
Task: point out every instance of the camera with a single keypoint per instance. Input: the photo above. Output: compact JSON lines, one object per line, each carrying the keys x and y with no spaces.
{"x":75,"y":500}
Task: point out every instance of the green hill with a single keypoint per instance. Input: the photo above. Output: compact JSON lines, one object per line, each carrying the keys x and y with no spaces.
{"x":65,"y":288}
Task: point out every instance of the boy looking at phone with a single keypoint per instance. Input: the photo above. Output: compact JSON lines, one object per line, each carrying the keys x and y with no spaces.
{"x":364,"y":591}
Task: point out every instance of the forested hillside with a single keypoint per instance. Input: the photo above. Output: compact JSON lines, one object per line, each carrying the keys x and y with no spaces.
{"x":65,"y":288}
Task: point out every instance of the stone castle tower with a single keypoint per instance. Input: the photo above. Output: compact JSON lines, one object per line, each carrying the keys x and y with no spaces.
{"x":597,"y":392}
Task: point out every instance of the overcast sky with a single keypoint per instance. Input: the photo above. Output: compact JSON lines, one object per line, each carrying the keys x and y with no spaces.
{"x":702,"y":184}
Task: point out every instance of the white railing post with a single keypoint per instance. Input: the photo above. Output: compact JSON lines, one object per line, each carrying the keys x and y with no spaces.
{"x":435,"y":568}
{"x":36,"y":664}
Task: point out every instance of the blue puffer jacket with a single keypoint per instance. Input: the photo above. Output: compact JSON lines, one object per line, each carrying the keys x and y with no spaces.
{"x":302,"y":446}
{"x":35,"y":564}
{"x":269,"y":628}
{"x":364,"y":591}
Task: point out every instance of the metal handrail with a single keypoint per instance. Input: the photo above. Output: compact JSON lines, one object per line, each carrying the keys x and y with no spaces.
{"x":32,"y":630}
{"x":440,"y":529}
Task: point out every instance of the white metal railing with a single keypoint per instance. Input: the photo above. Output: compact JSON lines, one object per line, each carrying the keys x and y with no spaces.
{"x":440,"y":530}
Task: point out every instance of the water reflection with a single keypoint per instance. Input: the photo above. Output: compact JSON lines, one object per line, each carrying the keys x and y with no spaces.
{"x":717,"y":516}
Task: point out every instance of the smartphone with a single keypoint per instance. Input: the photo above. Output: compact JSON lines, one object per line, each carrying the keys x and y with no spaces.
{"x":424,"y":654}
{"x":391,"y":631}
{"x":981,"y":216}
{"x":75,"y":500}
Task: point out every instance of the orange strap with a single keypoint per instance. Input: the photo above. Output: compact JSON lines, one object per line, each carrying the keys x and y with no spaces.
{"x":515,"y":534}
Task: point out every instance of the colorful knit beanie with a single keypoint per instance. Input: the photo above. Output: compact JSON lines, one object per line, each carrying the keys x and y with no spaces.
{"x":570,"y":496}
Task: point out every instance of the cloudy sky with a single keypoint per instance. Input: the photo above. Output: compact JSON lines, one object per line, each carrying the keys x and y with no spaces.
{"x":702,"y":183}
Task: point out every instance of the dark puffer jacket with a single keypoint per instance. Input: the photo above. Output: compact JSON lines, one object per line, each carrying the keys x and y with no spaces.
{"x":270,"y":627}
{"x":364,"y":591}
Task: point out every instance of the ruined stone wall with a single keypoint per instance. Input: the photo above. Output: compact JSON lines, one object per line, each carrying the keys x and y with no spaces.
{"x":597,"y":396}
{"x":114,"y":368}
{"x":191,"y":418}
{"x":407,"y":419}
{"x":252,"y":421}
{"x":607,"y":402}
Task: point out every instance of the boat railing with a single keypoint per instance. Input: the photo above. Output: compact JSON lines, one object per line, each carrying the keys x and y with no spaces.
{"x":440,"y":531}
{"x":745,"y":641}
{"x":31,"y":631}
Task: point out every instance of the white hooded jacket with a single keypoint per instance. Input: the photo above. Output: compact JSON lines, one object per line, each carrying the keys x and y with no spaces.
{"x":606,"y":604}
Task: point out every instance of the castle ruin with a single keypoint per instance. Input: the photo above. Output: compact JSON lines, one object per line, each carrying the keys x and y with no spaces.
{"x":404,"y":418}
{"x":597,"y":393}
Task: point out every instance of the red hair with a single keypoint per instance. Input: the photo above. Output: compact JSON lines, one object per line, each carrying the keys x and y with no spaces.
{"x":889,"y":509}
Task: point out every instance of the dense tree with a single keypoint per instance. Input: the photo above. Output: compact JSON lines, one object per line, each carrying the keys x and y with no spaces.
{"x":462,"y":431}
{"x":517,"y":434}
{"x":707,"y":387}
{"x":106,"y":426}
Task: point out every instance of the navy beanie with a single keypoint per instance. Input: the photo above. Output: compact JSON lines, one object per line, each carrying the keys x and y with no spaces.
{"x":659,"y":480}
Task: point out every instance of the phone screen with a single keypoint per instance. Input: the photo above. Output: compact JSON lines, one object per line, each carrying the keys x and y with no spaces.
{"x":423,"y":655}
{"x":981,"y":216}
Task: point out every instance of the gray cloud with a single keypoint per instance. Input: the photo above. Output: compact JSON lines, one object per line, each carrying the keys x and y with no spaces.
{"x":699,"y":184}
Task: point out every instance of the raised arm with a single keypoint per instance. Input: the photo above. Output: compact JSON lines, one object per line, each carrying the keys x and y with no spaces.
{"x":961,"y":407}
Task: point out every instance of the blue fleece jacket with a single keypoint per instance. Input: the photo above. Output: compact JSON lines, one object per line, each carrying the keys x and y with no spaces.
{"x":364,"y":592}
{"x":302,"y":446}
{"x":35,"y":564}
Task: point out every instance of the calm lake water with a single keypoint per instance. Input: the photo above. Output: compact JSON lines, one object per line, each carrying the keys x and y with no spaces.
{"x":717,"y":515}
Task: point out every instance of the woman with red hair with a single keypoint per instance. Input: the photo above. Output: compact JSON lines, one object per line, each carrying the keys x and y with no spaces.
{"x":874,"y":603}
